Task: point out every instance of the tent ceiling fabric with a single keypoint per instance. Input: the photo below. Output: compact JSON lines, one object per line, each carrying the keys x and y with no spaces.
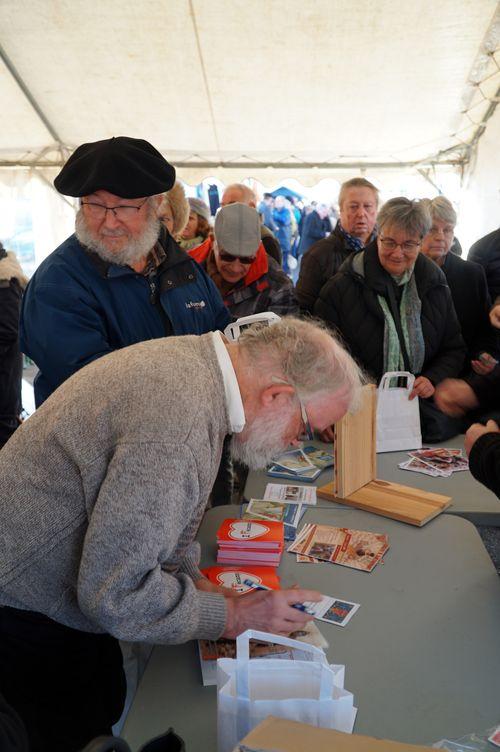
{"x":266,"y":82}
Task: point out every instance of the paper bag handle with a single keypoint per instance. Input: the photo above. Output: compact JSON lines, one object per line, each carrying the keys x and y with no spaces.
{"x":385,"y":381}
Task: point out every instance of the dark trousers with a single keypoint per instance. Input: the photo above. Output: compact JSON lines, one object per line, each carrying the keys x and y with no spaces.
{"x":67,"y":686}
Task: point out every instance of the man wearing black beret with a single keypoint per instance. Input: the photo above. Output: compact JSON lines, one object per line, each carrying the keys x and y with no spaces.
{"x":121,"y":278}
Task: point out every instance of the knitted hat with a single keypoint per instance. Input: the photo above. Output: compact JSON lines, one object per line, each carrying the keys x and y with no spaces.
{"x":237,"y":230}
{"x":127,"y":167}
{"x":199,"y":207}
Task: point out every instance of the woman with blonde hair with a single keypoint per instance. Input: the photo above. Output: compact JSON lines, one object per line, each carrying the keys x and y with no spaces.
{"x":173,"y":211}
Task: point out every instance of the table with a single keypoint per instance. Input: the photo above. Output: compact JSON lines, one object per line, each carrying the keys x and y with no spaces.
{"x":470,"y":499}
{"x":421,"y":654}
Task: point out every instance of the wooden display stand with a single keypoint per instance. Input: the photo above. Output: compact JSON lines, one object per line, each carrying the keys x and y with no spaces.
{"x":354,"y":472}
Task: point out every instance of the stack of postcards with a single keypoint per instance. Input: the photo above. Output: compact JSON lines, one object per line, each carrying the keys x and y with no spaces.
{"x":250,"y":542}
{"x":303,"y":465}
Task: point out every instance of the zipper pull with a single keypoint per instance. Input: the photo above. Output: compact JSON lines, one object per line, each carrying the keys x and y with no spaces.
{"x":152,"y":288}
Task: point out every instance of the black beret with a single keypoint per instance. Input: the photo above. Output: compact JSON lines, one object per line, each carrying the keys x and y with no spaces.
{"x":128,"y":167}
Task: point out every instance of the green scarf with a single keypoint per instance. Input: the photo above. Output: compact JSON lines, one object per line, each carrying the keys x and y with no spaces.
{"x":409,"y":311}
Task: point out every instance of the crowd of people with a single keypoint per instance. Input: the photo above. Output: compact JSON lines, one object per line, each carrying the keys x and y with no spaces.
{"x":104,"y":487}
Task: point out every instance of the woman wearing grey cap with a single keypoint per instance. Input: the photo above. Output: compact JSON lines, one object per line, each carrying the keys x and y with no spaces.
{"x":197,"y":228}
{"x":248,"y":279}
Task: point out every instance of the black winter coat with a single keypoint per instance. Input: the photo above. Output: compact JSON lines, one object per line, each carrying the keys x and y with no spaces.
{"x":348,"y":302}
{"x":486,"y":252}
{"x":313,"y":229}
{"x":11,"y":366}
{"x":484,"y":461}
{"x":469,"y":291}
{"x":319,"y":264}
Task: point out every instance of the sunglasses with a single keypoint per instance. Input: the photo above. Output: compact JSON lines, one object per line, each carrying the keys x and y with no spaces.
{"x":229,"y":258}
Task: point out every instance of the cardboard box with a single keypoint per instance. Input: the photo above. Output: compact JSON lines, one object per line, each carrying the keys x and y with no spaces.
{"x":281,"y":735}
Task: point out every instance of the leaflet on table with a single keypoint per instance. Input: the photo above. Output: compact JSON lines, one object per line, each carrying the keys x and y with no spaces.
{"x":290,"y":494}
{"x":289,"y":514}
{"x":358,"y":549}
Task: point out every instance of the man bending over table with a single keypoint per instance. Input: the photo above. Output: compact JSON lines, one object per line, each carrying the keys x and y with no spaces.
{"x":102,"y":492}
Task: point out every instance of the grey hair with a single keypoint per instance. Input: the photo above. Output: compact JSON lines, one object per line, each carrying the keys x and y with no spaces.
{"x":402,"y":213}
{"x":176,"y":199}
{"x":357,"y":183}
{"x":305,"y":354}
{"x":441,"y":208}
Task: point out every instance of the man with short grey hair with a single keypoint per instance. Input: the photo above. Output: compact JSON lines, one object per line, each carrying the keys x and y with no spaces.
{"x":121,"y":278}
{"x":358,"y":203}
{"x":112,"y":478}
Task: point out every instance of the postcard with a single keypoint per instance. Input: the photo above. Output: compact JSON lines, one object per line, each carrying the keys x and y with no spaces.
{"x":358,"y":549}
{"x":290,"y":494}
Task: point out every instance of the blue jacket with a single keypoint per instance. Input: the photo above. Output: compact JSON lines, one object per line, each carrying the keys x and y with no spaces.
{"x":78,"y":308}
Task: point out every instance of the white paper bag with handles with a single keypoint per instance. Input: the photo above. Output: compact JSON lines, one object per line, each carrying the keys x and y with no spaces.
{"x":308,"y":690}
{"x":398,"y":418}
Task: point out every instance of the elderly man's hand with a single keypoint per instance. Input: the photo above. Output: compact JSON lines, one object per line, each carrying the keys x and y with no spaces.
{"x":476,"y":430}
{"x":495,"y":316}
{"x":422,"y":388}
{"x":454,"y":397}
{"x":269,"y":611}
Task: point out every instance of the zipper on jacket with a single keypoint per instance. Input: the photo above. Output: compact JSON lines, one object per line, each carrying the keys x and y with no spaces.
{"x":152,"y":291}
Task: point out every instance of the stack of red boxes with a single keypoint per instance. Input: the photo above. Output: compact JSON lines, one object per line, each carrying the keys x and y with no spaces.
{"x":250,"y":542}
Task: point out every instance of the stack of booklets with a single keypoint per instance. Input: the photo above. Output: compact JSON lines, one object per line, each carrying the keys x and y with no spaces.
{"x":250,"y":542}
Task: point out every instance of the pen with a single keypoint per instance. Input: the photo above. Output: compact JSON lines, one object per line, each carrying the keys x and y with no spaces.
{"x":254,"y":586}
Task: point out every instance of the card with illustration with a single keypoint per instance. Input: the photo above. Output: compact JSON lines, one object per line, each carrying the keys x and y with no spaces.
{"x":294,"y":461}
{"x":288,"y":514}
{"x":319,"y":457}
{"x":305,"y":476}
{"x":358,"y":549}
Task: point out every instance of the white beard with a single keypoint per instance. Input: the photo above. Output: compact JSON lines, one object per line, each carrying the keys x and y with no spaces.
{"x":264,"y":441}
{"x":135,"y":250}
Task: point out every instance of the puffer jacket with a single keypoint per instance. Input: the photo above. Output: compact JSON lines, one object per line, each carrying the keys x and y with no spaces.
{"x":323,"y":259}
{"x":78,"y":308}
{"x":348,"y":302}
{"x":486,"y":251}
{"x":265,"y":287}
{"x":12,"y":284}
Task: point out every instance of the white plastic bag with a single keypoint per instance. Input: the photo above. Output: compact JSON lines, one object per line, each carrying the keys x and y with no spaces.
{"x":309,"y":690}
{"x":398,"y":418}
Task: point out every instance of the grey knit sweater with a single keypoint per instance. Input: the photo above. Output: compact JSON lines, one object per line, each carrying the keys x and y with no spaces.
{"x":103,"y":489}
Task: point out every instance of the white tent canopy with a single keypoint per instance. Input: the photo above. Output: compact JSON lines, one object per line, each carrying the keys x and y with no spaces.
{"x":255,"y":88}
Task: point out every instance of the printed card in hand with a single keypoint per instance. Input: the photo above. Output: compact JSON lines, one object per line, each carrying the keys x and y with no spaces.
{"x":332,"y":610}
{"x":358,"y":549}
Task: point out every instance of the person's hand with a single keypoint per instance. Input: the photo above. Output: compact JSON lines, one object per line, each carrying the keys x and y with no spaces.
{"x":476,"y":430}
{"x":210,"y":587}
{"x":269,"y":611}
{"x":422,"y":388}
{"x":485,"y":364}
{"x":327,"y":435}
{"x":454,"y":397}
{"x":495,"y":316}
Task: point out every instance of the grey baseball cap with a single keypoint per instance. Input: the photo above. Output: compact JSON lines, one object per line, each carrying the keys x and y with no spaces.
{"x":237,"y":230}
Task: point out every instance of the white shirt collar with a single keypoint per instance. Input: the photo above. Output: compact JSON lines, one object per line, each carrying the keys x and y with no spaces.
{"x":231,"y":388}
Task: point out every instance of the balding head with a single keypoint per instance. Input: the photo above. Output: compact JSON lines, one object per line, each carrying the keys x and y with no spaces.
{"x":238,"y":193}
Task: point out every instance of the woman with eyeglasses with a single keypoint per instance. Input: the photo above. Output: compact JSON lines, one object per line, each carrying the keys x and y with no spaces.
{"x":394,"y":310}
{"x":248,"y":280}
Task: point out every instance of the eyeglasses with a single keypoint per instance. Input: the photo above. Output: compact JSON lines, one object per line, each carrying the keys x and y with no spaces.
{"x":447,"y":231}
{"x":98,"y":211}
{"x":307,"y":434}
{"x":229,"y":258}
{"x":409,"y":246}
